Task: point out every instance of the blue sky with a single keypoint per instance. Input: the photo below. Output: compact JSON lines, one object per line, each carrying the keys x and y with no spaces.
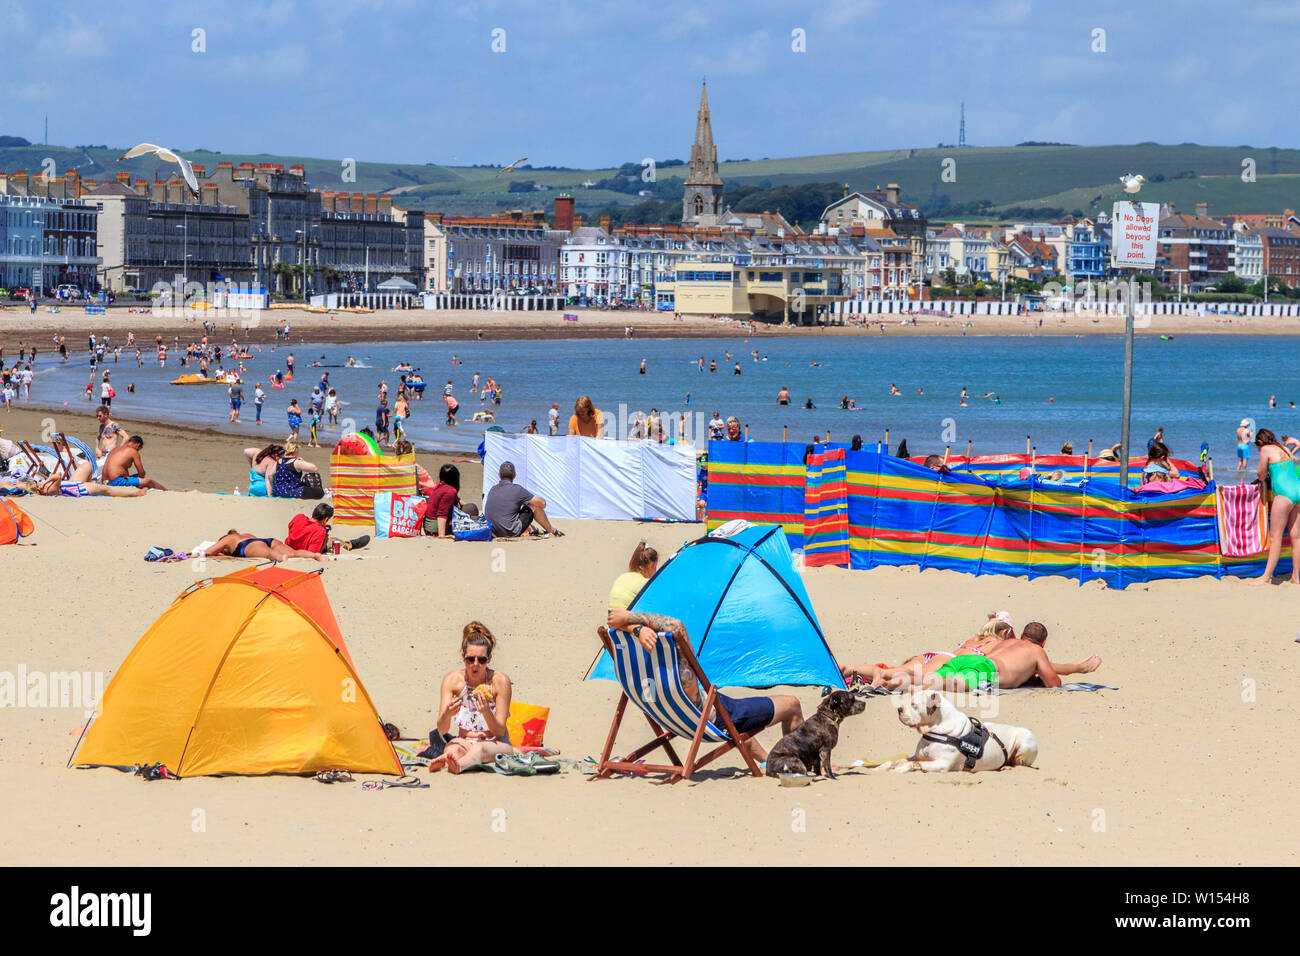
{"x":596,"y":83}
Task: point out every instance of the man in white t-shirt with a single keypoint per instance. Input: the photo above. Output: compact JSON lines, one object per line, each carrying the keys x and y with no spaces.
{"x":717,"y":427}
{"x":553,"y":419}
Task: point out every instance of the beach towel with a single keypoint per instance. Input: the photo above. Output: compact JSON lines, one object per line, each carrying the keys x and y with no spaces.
{"x":1076,"y":686}
{"x":867,"y":691}
{"x":1243,"y":520}
{"x":1170,"y":485}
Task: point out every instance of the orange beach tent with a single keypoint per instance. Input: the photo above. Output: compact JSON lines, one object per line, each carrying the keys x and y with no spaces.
{"x":243,"y":674}
{"x":14,"y":522}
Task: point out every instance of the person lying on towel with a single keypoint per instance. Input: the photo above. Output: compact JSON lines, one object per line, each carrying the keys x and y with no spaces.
{"x":1013,"y":662}
{"x":241,"y":544}
{"x":973,"y":661}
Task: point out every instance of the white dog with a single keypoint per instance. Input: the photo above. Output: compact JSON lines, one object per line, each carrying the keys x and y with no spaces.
{"x":952,"y":741}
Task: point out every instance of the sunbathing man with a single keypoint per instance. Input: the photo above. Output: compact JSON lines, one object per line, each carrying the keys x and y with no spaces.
{"x":749,"y":714}
{"x":912,"y":670}
{"x":239,"y":544}
{"x":1014,"y":662}
{"x":79,"y":485}
{"x":118,"y":464}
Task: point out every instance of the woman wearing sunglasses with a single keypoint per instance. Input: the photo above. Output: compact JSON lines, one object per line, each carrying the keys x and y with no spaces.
{"x":476,"y":699}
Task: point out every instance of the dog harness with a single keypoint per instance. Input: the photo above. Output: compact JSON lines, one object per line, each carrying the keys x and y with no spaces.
{"x":972,"y":743}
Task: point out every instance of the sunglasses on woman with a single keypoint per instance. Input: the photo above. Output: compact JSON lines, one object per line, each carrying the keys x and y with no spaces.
{"x":471,"y":659}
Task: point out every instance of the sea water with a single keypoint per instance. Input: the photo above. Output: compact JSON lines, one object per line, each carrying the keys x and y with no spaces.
{"x":1052,"y":389}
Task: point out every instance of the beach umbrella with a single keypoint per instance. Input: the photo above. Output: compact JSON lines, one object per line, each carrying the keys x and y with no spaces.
{"x":162,"y":152}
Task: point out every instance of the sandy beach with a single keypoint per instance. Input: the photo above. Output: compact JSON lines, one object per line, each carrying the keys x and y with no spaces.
{"x":1179,"y":765}
{"x":17,"y":325}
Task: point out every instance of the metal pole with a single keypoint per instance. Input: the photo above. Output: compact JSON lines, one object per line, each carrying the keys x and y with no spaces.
{"x":1128,"y":382}
{"x":304,"y":262}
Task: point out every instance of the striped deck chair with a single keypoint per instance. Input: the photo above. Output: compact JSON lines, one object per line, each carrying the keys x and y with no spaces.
{"x":652,"y":682}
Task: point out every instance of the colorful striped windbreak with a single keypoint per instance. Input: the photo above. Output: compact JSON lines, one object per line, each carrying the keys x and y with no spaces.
{"x":356,"y":479}
{"x":863,"y":509}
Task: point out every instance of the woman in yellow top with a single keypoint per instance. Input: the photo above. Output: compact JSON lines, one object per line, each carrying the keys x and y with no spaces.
{"x":642,"y":567}
{"x":587,"y":419}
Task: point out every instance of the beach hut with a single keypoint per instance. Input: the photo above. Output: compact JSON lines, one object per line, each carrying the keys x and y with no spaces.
{"x":244,"y":674}
{"x":745,"y":608}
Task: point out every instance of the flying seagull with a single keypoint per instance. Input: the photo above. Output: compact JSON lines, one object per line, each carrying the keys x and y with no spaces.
{"x":1132,"y":182}
{"x":144,"y":149}
{"x":506,"y":169}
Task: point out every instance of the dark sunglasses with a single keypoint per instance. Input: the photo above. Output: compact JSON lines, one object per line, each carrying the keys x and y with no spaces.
{"x":471,"y":659}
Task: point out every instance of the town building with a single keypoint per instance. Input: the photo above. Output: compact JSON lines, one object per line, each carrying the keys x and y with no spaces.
{"x":1194,"y":251}
{"x":884,"y":210}
{"x":151,"y":233}
{"x":594,"y":267}
{"x":1281,"y":254}
{"x":1087,"y":256}
{"x":1247,"y":260}
{"x":47,"y":234}
{"x":512,"y":251}
{"x":1031,"y":258}
{"x":254,"y":225}
{"x":794,"y":294}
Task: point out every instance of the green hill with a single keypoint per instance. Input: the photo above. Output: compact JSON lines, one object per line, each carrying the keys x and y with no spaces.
{"x":1065,"y":177}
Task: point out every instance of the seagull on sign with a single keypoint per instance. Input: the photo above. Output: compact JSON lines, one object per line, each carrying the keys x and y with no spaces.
{"x":163,"y":152}
{"x":1132,"y":182}
{"x":506,"y":169}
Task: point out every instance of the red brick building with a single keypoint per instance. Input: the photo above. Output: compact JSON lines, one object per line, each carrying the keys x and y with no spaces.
{"x":1281,"y":254}
{"x":1194,"y":251}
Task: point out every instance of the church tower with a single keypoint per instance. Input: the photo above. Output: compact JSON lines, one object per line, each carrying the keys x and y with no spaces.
{"x":702,"y":202}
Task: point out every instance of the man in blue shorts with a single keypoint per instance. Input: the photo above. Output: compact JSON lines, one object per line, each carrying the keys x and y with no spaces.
{"x":120,"y":461}
{"x":749,"y":714}
{"x":1244,"y":439}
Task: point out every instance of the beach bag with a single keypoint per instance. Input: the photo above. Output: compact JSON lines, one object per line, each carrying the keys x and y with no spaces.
{"x":467,"y":528}
{"x":526,"y":724}
{"x":399,"y":516}
{"x":356,"y":479}
{"x":312,"y":488}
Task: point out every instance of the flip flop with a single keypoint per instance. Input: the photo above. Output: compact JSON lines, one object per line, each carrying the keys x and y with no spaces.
{"x":406,"y":782}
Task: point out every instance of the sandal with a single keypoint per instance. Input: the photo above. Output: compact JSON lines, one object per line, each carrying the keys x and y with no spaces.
{"x":333,"y":776}
{"x":557,"y":533}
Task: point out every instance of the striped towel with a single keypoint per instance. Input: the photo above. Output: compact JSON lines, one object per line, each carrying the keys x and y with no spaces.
{"x":1243,"y":520}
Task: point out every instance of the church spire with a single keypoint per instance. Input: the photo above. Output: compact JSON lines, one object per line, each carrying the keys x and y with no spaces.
{"x":704,"y":155}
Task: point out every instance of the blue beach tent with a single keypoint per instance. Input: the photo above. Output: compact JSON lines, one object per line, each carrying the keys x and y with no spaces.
{"x":746,"y":609}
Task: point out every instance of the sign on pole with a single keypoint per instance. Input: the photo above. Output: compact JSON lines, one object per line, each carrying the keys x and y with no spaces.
{"x":1134,"y":227}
